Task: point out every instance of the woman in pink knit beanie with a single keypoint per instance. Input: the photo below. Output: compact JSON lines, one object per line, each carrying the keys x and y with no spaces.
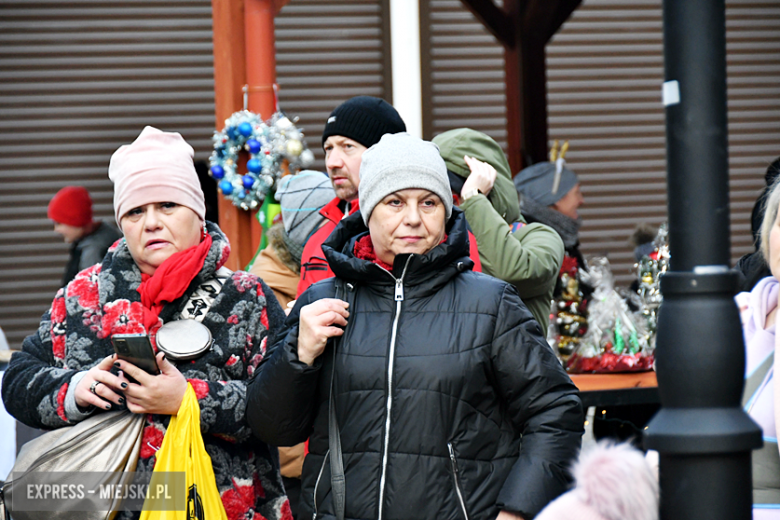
{"x":155,"y":177}
{"x":156,"y":167}
{"x":208,"y":326}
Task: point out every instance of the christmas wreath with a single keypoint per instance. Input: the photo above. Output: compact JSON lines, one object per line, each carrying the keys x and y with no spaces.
{"x":269,"y":144}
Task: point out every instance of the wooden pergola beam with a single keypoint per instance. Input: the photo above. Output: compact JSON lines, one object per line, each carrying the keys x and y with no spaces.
{"x":494,"y":19}
{"x":524,"y":27}
{"x":543,"y":18}
{"x":564,"y":10}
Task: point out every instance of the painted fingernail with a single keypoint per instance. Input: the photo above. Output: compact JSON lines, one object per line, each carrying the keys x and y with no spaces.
{"x":117,"y":365}
{"x":123,"y":385}
{"x":121,"y":400}
{"x":108,"y":407}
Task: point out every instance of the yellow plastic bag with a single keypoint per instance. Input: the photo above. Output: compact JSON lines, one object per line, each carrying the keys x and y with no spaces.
{"x":182,"y":450}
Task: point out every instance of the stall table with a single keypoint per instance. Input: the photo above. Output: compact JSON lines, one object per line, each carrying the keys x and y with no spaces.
{"x":617,"y":389}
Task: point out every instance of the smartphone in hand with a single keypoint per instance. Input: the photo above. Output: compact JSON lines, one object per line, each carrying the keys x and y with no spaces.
{"x":136,"y":349}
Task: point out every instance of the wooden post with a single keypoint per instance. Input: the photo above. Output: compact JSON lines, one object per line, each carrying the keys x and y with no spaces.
{"x":229,"y":79}
{"x":260,"y":77}
{"x":533,"y":23}
{"x":244,"y":54}
{"x":513,"y":78}
{"x":534,"y":102}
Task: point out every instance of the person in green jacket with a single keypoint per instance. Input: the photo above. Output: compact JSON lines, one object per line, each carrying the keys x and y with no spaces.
{"x":526,"y":255}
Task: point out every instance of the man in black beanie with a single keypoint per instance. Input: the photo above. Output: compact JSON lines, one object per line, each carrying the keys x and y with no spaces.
{"x":352,"y":128}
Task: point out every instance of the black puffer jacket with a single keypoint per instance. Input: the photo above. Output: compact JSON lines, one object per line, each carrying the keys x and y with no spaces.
{"x":438,"y":376}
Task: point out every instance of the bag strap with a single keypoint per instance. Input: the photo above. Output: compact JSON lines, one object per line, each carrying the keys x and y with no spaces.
{"x":337,"y":479}
{"x":203,"y":297}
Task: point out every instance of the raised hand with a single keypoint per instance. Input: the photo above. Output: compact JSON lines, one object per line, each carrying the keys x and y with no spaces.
{"x":482,"y":176}
{"x":320,"y":321}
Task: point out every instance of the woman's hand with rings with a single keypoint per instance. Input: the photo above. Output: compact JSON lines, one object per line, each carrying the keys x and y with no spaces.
{"x":158,"y":394}
{"x":99,"y":387}
{"x":320,"y":321}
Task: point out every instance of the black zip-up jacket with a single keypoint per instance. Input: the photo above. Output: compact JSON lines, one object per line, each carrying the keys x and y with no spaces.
{"x":450,"y":403}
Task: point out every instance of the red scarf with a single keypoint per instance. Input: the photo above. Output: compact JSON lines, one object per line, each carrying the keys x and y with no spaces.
{"x":170,"y":280}
{"x":364,"y":249}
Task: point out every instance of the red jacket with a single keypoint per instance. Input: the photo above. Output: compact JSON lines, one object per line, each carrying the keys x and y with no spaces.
{"x":314,"y":267}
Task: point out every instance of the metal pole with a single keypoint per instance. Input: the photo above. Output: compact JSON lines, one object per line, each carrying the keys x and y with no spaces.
{"x":702,"y":434}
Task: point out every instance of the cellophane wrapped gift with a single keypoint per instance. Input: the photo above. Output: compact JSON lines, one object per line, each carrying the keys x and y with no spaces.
{"x":649,"y":270}
{"x":569,"y":311}
{"x":617,"y":340}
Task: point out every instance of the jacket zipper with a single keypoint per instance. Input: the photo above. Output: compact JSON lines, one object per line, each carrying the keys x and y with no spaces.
{"x":399,"y":297}
{"x":456,"y":476}
{"x":317,"y":484}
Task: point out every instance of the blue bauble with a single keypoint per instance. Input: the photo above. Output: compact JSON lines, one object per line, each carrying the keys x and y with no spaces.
{"x":253,"y":145}
{"x":232,"y":133}
{"x":242,"y":194}
{"x":217,"y":171}
{"x":245,"y":129}
{"x":226,"y":187}
{"x":248,"y":181}
{"x":254,"y":166}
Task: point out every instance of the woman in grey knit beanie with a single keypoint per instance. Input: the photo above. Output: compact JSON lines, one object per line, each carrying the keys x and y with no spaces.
{"x":398,"y":162}
{"x":421,"y":366}
{"x":397,"y":172}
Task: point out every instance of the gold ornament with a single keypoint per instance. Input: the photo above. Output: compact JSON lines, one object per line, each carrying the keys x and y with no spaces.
{"x":294,"y":147}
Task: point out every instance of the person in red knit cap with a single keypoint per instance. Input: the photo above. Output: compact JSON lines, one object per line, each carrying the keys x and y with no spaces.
{"x":71,"y":211}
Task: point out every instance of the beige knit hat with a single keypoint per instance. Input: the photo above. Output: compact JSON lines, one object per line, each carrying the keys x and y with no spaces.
{"x":156,"y":167}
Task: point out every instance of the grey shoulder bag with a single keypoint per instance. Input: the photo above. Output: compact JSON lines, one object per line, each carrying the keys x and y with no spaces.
{"x":107,"y":443}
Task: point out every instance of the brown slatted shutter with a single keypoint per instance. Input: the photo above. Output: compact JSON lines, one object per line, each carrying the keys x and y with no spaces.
{"x":462,"y":72}
{"x":753,"y":66}
{"x":77,"y":80}
{"x":604,"y":75}
{"x":605,"y":69}
{"x":326,"y":53}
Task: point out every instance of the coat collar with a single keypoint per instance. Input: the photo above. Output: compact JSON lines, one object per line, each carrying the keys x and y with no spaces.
{"x":334,"y":211}
{"x":425,"y":272}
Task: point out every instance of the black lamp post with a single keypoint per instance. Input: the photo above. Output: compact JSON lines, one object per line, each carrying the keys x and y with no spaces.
{"x":701,"y":432}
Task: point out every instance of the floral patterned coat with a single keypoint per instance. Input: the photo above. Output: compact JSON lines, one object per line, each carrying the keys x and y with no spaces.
{"x":75,"y":334}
